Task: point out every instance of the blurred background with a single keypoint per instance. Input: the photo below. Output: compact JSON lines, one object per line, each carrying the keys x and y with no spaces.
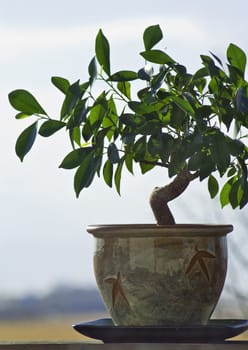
{"x":45,"y":253}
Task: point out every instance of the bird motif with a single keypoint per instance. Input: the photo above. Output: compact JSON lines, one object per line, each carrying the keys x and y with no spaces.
{"x":117,"y":291}
{"x":199,"y":258}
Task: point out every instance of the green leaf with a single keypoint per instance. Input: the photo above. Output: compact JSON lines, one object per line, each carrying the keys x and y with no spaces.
{"x":92,"y":69}
{"x":231,"y":171}
{"x":85,"y":173}
{"x":50,"y":126}
{"x":183,"y":104}
{"x":103,"y":51}
{"x":157,"y":56}
{"x":236,"y":147}
{"x":84,"y":87}
{"x":113,"y":153}
{"x":235,"y":76}
{"x":145,"y":108}
{"x":118,"y":175}
{"x":196,"y":161}
{"x":234,"y":194}
{"x":216,"y":58}
{"x":110,"y":120}
{"x":206,"y":169}
{"x":200,"y":73}
{"x":242,"y":100}
{"x":152,"y":35}
{"x":108,"y":173}
{"x":158,"y":79}
{"x":96,"y":116}
{"x":244,"y":168}
{"x":131,"y":119}
{"x":61,"y":83}
{"x":220,"y":153}
{"x":128,"y":139}
{"x":139,"y":149}
{"x":145,"y":167}
{"x":244,"y":199}
{"x":75,"y":135}
{"x":22,"y":115}
{"x":177,"y":159}
{"x":125,"y":88}
{"x":143,"y":75}
{"x":139,"y":107}
{"x":80,"y":113}
{"x":76,"y":157}
{"x":208,"y":62}
{"x":129,"y":162}
{"x":154,"y":145}
{"x":25,"y":102}
{"x":72,"y":96}
{"x":87,"y":131}
{"x":123,"y":75}
{"x":152,"y":127}
{"x":200,"y":84}
{"x":213,"y":186}
{"x":177,"y":117}
{"x":26,"y":140}
{"x":167,"y":146}
{"x":77,"y":115}
{"x":224,"y":194}
{"x":236,"y":57}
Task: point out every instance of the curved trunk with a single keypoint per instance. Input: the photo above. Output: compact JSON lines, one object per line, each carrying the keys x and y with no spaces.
{"x":162,"y":195}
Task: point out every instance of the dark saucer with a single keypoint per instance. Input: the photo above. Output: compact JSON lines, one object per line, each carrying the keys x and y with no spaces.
{"x":216,"y":330}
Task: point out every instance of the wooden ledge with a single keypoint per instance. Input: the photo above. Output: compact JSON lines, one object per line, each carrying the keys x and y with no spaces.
{"x":237,"y":345}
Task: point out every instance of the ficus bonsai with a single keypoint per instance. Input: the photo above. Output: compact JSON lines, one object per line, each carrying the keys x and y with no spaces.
{"x":193,"y":125}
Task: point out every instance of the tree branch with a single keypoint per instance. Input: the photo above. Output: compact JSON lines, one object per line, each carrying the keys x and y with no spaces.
{"x":162,"y":195}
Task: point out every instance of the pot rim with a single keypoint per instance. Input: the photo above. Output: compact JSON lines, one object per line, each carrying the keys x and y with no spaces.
{"x":154,"y":230}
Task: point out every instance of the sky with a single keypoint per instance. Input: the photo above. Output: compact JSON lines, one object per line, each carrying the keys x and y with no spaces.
{"x":43,"y":238}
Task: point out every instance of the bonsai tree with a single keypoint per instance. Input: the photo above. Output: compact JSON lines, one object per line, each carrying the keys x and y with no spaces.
{"x":192,"y":125}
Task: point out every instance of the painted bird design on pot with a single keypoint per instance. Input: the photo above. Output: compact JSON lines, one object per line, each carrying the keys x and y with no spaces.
{"x":198,"y":258}
{"x":117,"y":291}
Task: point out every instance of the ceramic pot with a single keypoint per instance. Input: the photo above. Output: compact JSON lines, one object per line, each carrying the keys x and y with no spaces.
{"x":160,"y":275}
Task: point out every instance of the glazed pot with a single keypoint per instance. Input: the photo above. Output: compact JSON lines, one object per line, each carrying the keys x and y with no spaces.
{"x":160,"y":275}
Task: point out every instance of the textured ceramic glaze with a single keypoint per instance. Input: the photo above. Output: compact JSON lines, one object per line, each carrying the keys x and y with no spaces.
{"x":169,"y":275}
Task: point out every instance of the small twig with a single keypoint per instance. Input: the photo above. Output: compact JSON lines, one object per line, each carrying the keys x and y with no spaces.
{"x":113,"y":88}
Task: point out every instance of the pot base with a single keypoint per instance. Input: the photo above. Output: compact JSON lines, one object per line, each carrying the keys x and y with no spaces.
{"x":214,"y":331}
